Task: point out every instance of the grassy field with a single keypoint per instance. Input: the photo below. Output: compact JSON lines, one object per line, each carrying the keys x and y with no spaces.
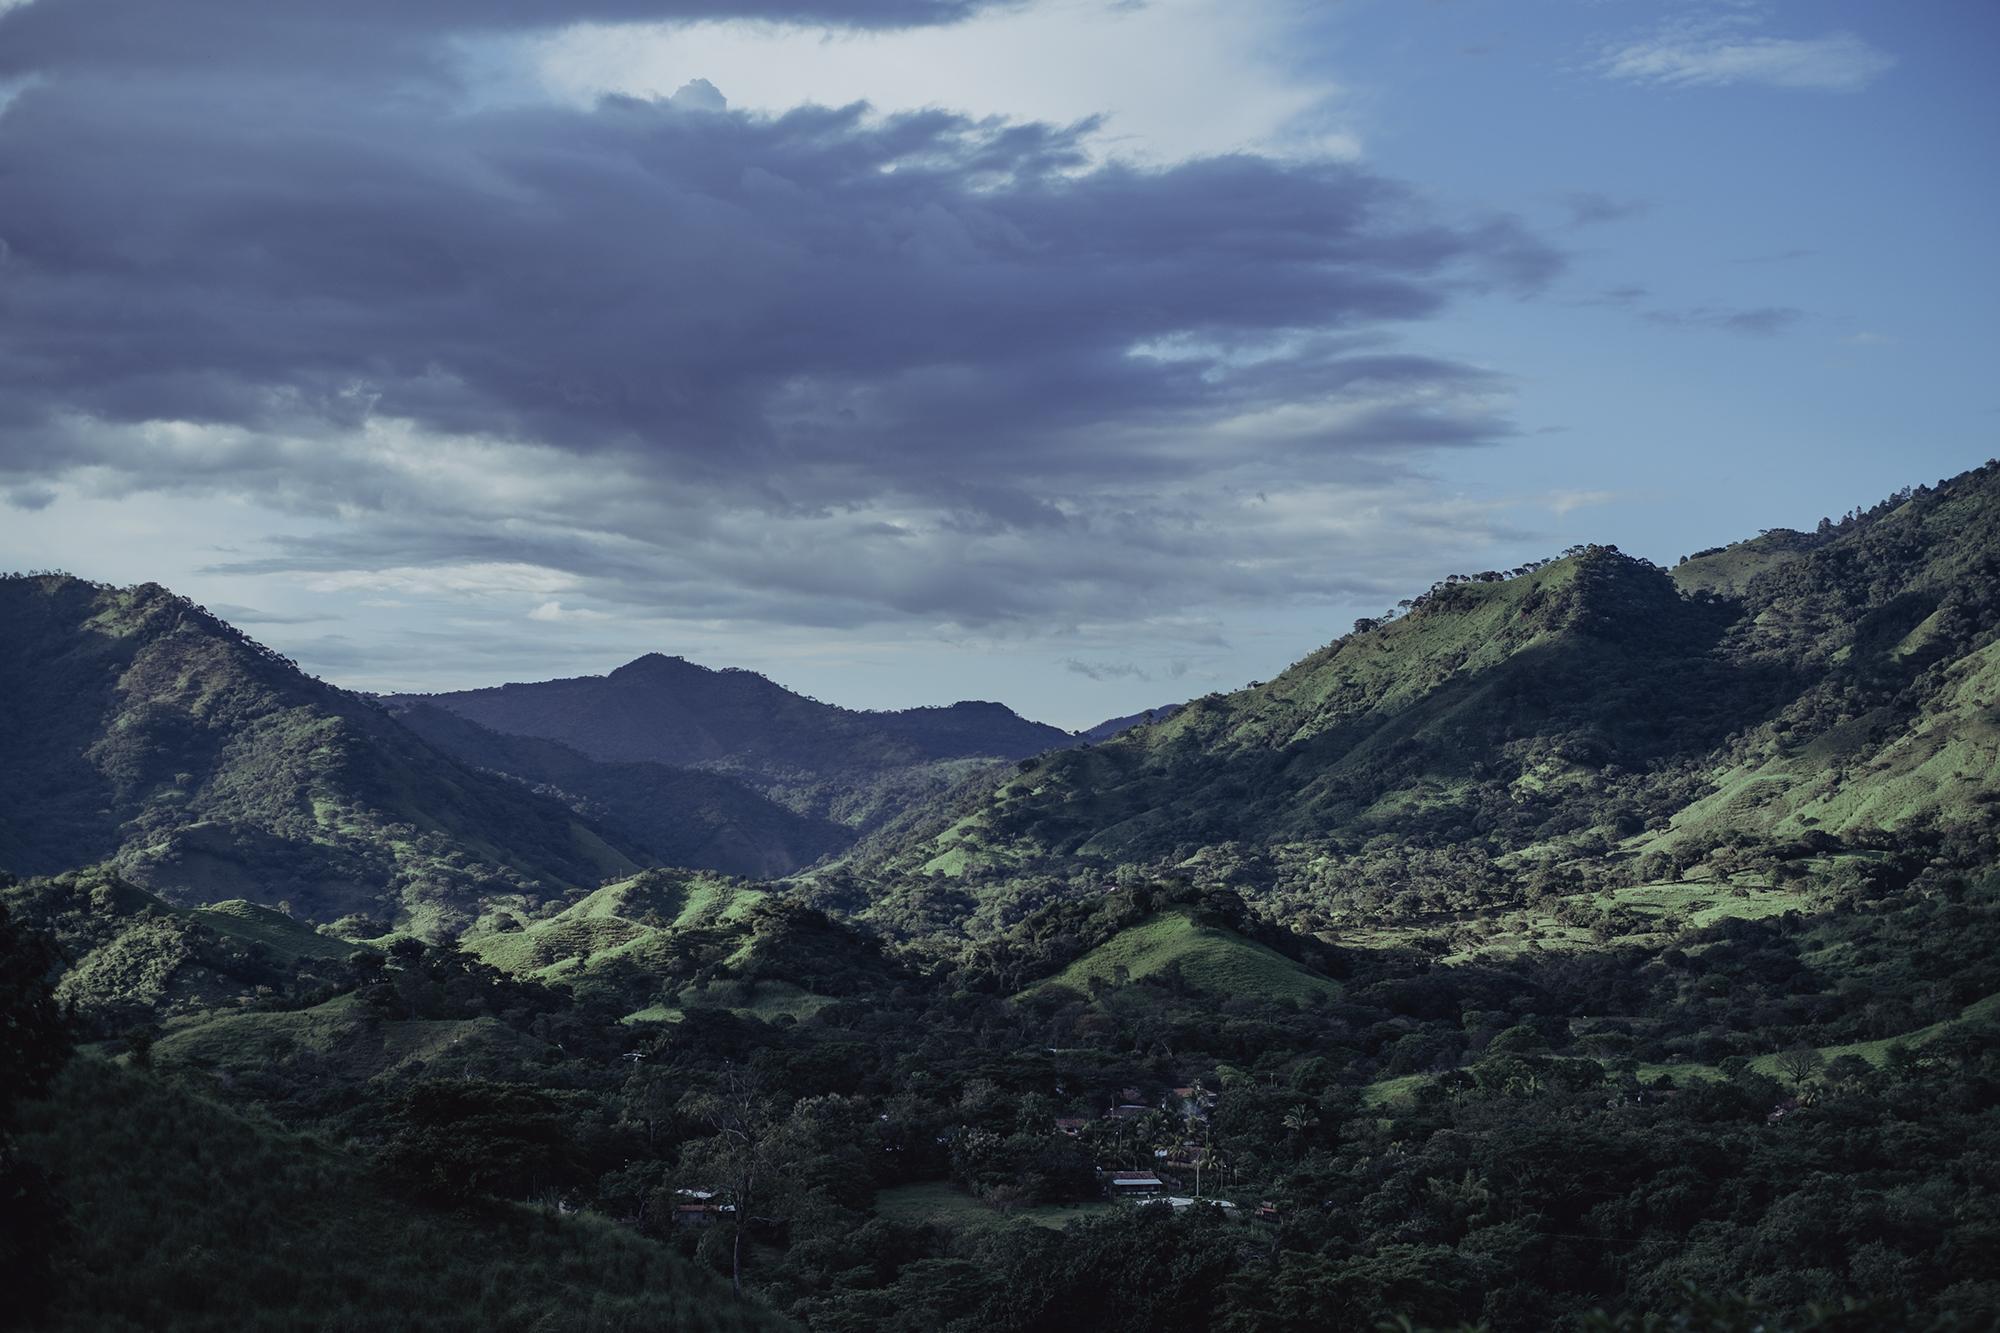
{"x":1219,"y":961}
{"x":947,"y":1205}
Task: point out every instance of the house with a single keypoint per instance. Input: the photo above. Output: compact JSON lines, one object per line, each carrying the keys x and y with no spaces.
{"x":698,"y":1208}
{"x":1177,"y":1202}
{"x":1071,"y":1125}
{"x":1190,"y":1101}
{"x":1129,"y":1111}
{"x":1131,"y":1095}
{"x":1133,"y":1185}
{"x":1267,"y":1211}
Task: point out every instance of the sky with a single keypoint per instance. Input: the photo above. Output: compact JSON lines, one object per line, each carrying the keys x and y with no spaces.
{"x":1085,"y":355}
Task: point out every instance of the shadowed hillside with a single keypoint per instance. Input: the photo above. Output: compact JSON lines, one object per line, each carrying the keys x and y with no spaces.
{"x":185,"y":1214}
{"x":141,"y":730}
{"x":854,"y":768}
{"x":681,"y":816}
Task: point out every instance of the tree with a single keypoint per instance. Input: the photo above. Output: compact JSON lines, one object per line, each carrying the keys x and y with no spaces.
{"x":36,"y":1037}
{"x":753,"y":1154}
{"x":1800,"y":1063}
{"x":35,"y":1041}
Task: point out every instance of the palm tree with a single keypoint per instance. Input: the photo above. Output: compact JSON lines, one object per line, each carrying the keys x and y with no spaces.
{"x":1297,"y":1121}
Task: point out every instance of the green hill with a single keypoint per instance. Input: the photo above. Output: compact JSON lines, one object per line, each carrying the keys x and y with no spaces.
{"x":183,"y":1214}
{"x":142,"y":731}
{"x":630,"y":921}
{"x":666,"y":941}
{"x":1575,"y":717}
{"x":130,"y":958}
{"x":340,"y":1039}
{"x":1208,"y":958}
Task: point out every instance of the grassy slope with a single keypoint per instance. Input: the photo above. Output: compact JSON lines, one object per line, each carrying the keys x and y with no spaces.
{"x":1218,"y":961}
{"x":634,"y":921}
{"x":341,"y":1034}
{"x":1506,"y":932}
{"x":188,"y":1215}
{"x":131,"y":958}
{"x":282,"y":935}
{"x":627,"y":919}
{"x":1874,"y":773}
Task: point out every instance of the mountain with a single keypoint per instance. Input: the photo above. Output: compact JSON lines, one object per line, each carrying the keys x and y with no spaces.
{"x":1591,"y":945}
{"x":853,"y":768}
{"x":680,"y":816}
{"x":142,"y":731}
{"x":1817,"y":690}
{"x":1110,"y":727}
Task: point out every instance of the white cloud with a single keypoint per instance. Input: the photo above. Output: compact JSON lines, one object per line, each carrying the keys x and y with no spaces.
{"x":1173,"y":78}
{"x":555,"y":611}
{"x":1567,"y":502}
{"x":1839,"y":62}
{"x":471,"y":580}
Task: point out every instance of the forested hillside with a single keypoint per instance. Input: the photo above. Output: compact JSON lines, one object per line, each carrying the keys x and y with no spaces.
{"x":1593,"y":717}
{"x":141,"y":731}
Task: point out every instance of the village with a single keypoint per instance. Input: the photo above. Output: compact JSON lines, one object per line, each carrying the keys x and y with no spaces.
{"x":1158,"y":1154}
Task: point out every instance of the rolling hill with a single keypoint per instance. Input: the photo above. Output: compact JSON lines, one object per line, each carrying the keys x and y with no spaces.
{"x":131,"y":959}
{"x":1209,"y":958}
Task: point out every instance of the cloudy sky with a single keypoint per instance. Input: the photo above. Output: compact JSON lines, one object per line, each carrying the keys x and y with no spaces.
{"x":1082,"y":354}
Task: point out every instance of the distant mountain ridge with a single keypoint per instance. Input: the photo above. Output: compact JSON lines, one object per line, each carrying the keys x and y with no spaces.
{"x":1110,"y":727}
{"x":826,"y":762}
{"x":681,"y":816}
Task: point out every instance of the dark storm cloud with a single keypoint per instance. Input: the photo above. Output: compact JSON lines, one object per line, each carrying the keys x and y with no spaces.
{"x":819,"y":365}
{"x":307,"y":35}
{"x":816,"y":290}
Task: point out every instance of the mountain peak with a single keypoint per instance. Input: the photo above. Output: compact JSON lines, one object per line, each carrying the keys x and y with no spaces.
{"x":656,"y":664}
